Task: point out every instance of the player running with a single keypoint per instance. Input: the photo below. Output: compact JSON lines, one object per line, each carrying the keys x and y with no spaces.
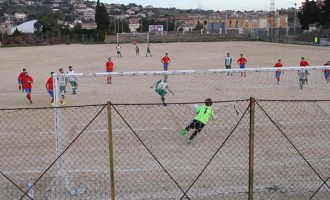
{"x":27,"y":85}
{"x":278,"y":72}
{"x":204,"y":112}
{"x":20,"y":80}
{"x":137,"y":50}
{"x":162,"y":88}
{"x":148,"y":51}
{"x":50,"y":88}
{"x":72,"y":80}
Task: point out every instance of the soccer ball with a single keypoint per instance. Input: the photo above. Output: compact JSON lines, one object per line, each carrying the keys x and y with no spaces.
{"x":195,"y":106}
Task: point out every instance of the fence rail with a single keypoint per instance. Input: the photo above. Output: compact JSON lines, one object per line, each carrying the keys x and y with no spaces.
{"x":254,"y":149}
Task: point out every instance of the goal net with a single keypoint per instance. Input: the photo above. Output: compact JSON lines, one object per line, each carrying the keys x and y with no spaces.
{"x":194,"y":85}
{"x":133,"y":38}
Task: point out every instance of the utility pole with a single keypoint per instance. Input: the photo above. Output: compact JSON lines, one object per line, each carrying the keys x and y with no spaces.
{"x":294,"y":20}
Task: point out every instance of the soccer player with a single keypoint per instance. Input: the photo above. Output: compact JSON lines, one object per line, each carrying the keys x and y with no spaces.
{"x":242,"y":62}
{"x":327,"y":72}
{"x":166,"y":61}
{"x":50,"y":88}
{"x":109,"y":68}
{"x":137,"y":50}
{"x":62,"y":83}
{"x":304,"y":63}
{"x":27,"y":85}
{"x":20,"y":80}
{"x":228,"y":62}
{"x":204,"y":112}
{"x":148,"y":51}
{"x":162,"y":88}
{"x":118,"y":49}
{"x":278,"y":72}
{"x":72,"y":80}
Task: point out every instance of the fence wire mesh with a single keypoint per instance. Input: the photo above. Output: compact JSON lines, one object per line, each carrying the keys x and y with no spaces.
{"x":54,"y":153}
{"x":64,"y":153}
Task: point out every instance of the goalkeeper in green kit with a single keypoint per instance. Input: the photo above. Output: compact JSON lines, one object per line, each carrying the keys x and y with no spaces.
{"x":204,"y":112}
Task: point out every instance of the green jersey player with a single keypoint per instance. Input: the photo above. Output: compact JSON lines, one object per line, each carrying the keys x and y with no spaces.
{"x":162,"y":88}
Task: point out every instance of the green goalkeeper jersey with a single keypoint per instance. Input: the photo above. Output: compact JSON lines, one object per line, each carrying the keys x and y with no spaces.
{"x":204,"y":113}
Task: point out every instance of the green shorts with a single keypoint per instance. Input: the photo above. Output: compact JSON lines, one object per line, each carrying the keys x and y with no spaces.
{"x":161,"y":92}
{"x":62,"y":88}
{"x":73,"y":83}
{"x":228,"y":66}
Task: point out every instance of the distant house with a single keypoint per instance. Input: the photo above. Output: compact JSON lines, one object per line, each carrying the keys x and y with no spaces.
{"x":20,"y":16}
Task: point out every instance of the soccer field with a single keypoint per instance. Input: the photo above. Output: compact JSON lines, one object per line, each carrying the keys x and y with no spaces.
{"x":32,"y":139}
{"x":40,"y":61}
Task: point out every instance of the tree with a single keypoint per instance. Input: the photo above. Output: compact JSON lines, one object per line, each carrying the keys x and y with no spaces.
{"x":198,"y":27}
{"x":325,"y":14}
{"x":101,"y":17}
{"x":309,"y":14}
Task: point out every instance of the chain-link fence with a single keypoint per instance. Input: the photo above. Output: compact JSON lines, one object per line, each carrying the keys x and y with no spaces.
{"x":252,"y":150}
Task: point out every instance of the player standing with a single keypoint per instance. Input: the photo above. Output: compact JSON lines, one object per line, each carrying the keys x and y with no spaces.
{"x":137,"y":50}
{"x":50,"y":88}
{"x":148,"y":51}
{"x":278,"y":72}
{"x":62,"y":83}
{"x":166,"y":61}
{"x":228,"y":62}
{"x":27,"y":85}
{"x":304,"y":63}
{"x":118,"y":49}
{"x":72,"y":80}
{"x":109,"y":68}
{"x":20,"y":80}
{"x":204,"y":112}
{"x":162,"y":88}
{"x":327,"y":72}
{"x":242,"y":62}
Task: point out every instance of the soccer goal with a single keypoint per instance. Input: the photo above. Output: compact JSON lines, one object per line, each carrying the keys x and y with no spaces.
{"x":194,"y":85}
{"x":133,"y":38}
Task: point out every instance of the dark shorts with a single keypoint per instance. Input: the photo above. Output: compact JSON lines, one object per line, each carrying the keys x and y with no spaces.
{"x":277,"y":74}
{"x":51,"y":93}
{"x":195,"y":124}
{"x":28,"y":90}
{"x":228,"y":66}
{"x":242,"y":66}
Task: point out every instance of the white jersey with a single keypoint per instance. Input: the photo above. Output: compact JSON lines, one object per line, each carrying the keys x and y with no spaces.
{"x":61,"y":80}
{"x":161,"y":85}
{"x":118,"y":48}
{"x":71,"y":78}
{"x":228,"y":61}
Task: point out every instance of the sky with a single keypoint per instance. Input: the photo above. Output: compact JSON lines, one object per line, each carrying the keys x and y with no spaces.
{"x":242,"y":5}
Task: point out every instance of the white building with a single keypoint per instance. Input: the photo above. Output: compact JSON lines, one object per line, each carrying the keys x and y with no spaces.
{"x":20,"y":16}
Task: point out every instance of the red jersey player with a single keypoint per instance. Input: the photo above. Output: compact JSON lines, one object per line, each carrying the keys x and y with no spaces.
{"x":27,"y":84}
{"x":20,"y":80}
{"x":242,"y":62}
{"x":278,"y":72}
{"x":166,"y":61}
{"x":327,"y":72}
{"x":109,"y":68}
{"x":50,"y":88}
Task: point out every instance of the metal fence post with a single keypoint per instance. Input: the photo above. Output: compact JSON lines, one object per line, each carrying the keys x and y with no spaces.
{"x":251,"y":147}
{"x":112,"y":177}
